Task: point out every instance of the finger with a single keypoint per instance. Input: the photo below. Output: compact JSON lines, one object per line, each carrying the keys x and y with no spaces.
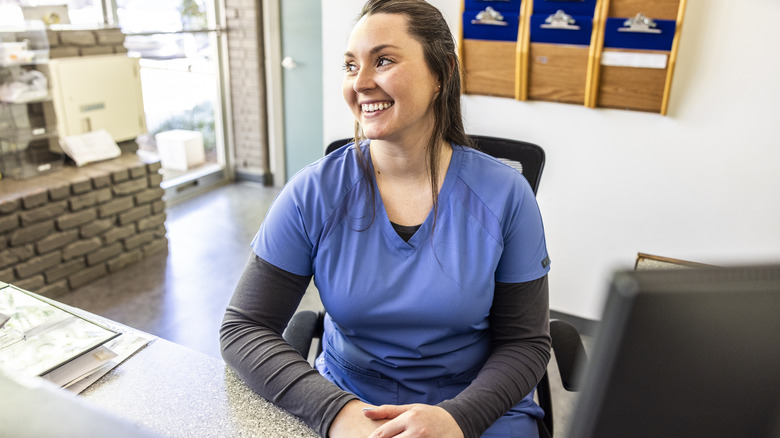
{"x":393,"y":428}
{"x":385,"y":412}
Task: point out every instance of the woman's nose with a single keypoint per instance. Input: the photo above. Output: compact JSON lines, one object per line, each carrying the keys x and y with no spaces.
{"x":364,"y":80}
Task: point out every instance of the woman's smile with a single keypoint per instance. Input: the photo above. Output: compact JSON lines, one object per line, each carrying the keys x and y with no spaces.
{"x":371,"y":108}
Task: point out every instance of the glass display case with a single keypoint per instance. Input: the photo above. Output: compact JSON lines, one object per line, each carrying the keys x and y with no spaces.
{"x":28,"y":127}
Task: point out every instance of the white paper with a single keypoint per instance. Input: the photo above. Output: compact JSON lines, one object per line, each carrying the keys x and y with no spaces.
{"x":40,"y":336}
{"x":80,"y":367}
{"x":90,"y":147}
{"x":633,"y":59}
{"x":124,"y":346}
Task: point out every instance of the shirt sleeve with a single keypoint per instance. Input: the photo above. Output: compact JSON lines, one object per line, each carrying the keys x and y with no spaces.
{"x":282,"y":239}
{"x":524,"y":256}
{"x":520,"y":341}
{"x":252,"y":345}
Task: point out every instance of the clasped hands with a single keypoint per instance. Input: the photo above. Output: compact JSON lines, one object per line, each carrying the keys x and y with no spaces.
{"x":361,"y":420}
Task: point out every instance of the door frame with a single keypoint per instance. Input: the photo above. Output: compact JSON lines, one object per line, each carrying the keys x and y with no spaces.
{"x":272,"y":44}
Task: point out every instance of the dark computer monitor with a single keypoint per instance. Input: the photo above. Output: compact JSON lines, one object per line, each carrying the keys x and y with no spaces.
{"x":685,"y":353}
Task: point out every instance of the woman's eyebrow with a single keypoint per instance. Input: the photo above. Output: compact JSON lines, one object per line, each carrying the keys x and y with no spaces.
{"x":373,"y":51}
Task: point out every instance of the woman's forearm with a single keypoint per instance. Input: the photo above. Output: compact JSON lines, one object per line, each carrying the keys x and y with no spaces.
{"x":252,"y":345}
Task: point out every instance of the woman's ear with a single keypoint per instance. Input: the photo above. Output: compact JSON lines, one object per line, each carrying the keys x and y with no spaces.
{"x":453,"y":61}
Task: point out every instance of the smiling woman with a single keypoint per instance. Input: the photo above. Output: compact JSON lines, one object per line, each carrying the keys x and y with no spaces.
{"x":387,"y":83}
{"x":430,"y":260}
{"x":420,"y":69}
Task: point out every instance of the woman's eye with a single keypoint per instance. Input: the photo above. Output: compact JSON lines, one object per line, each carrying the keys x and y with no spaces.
{"x":349,"y":67}
{"x":383,"y":62}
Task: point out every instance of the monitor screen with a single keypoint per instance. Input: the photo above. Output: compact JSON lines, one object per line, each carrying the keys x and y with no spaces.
{"x":685,"y":353}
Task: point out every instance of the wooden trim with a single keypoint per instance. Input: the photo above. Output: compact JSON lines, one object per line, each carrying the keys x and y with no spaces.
{"x":523,"y":49}
{"x":672,"y":261}
{"x":461,"y":61}
{"x":673,"y":57}
{"x":639,"y":89}
{"x":596,"y":47}
{"x":561,"y":77}
{"x":656,"y":9}
{"x":490,"y":67}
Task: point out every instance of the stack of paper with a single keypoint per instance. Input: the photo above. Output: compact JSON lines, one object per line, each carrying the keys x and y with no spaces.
{"x":42,"y":338}
{"x":90,"y":147}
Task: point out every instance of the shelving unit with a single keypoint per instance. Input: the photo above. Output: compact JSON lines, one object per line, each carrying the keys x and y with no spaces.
{"x":598,"y":53}
{"x":28,"y":125}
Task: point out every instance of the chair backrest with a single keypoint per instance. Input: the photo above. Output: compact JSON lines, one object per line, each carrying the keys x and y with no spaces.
{"x":337,"y":144}
{"x":527,"y":158}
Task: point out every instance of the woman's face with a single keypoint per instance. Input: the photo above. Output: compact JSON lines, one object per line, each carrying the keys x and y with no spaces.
{"x":387,"y":83}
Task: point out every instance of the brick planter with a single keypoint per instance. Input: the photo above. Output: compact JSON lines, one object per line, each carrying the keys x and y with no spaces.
{"x":66,"y":229}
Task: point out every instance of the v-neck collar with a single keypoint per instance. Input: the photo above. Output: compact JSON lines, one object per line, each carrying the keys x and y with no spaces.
{"x":423,"y":233}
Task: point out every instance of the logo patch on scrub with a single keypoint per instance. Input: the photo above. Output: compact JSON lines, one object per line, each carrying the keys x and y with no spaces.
{"x":546,"y":262}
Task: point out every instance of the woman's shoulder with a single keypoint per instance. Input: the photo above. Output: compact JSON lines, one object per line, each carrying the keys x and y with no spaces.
{"x":327,"y":179}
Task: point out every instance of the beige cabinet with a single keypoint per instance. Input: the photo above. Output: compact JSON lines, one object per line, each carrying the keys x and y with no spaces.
{"x":91,"y":93}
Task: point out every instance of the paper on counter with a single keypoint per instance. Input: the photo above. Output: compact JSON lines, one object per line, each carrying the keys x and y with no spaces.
{"x":90,"y":147}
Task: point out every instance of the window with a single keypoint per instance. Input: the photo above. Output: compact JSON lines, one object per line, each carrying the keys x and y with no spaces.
{"x":178,"y":43}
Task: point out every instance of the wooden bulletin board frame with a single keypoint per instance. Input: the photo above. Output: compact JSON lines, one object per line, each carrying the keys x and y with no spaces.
{"x":629,"y":88}
{"x":642,"y":89}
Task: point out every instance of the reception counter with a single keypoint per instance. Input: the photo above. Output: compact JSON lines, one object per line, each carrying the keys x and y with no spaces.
{"x":160,"y":390}
{"x":174,"y":391}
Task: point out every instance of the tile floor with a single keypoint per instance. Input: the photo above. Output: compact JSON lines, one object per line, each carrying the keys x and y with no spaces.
{"x":181,"y":296}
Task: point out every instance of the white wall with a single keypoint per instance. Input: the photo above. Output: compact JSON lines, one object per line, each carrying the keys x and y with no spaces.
{"x":702,"y":183}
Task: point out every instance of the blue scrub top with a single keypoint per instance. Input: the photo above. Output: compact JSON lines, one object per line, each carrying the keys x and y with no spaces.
{"x":407,"y":321}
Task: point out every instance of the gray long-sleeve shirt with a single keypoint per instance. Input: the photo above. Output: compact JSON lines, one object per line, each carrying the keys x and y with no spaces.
{"x":266,"y":298}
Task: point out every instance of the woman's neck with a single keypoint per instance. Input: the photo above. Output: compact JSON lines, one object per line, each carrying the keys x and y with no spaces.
{"x":404,"y":181}
{"x":407,"y":162}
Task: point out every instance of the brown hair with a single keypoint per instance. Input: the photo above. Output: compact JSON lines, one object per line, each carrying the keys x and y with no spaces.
{"x":427,"y":26}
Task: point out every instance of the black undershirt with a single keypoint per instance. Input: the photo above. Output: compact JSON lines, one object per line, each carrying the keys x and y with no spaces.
{"x":406,"y":232}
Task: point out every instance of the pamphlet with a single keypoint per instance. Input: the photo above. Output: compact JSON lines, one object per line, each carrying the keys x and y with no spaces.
{"x":90,"y":147}
{"x":40,"y":337}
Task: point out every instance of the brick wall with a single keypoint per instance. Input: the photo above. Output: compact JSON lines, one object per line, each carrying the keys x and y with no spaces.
{"x":64,"y":230}
{"x":247,"y":84}
{"x":77,"y":42}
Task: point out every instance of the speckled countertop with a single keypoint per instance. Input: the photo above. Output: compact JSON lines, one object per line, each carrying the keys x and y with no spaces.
{"x":163,"y":390}
{"x":178,"y":392}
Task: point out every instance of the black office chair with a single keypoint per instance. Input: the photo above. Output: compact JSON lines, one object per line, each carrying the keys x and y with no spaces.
{"x":527,"y":158}
{"x":570,"y":356}
{"x":305,"y":327}
{"x":337,"y":144}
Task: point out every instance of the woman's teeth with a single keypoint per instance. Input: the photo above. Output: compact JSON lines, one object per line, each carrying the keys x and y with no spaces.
{"x":371,"y":107}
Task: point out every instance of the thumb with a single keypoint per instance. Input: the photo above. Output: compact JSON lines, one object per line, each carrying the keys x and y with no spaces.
{"x":385,"y":412}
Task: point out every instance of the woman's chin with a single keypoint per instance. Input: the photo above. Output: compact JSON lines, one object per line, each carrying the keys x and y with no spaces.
{"x":373,"y":134}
